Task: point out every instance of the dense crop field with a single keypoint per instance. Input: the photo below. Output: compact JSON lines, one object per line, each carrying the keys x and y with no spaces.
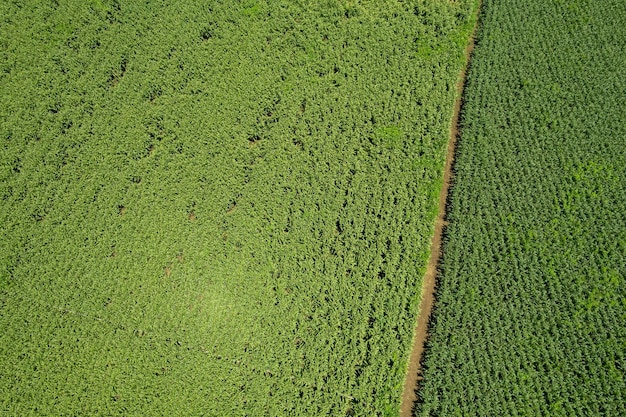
{"x":218,"y":208}
{"x":531,"y":311}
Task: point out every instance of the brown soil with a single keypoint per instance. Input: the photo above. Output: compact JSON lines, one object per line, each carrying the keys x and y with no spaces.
{"x":414,"y":372}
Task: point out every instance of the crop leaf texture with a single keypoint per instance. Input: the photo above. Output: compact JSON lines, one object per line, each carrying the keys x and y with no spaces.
{"x":530,"y":317}
{"x":218,"y":208}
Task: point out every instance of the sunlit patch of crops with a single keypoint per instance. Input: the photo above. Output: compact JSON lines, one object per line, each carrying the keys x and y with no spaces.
{"x":531,"y":309}
{"x":218,"y":208}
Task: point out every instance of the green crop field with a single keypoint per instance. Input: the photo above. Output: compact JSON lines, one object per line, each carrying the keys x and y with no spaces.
{"x":219,"y":208}
{"x":531,"y":312}
{"x":225,"y":208}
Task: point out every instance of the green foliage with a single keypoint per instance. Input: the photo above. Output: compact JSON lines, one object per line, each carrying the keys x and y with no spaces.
{"x":531,"y":310}
{"x":217,"y":208}
{"x":388,"y":136}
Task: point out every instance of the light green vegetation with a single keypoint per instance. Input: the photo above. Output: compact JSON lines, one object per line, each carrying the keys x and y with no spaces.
{"x":218,"y":208}
{"x":531,"y":313}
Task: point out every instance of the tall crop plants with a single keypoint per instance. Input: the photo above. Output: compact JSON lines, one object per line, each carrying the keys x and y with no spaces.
{"x":218,"y":208}
{"x":531,"y":310}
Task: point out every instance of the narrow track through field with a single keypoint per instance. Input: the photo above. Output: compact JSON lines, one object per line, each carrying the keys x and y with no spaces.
{"x":414,"y":372}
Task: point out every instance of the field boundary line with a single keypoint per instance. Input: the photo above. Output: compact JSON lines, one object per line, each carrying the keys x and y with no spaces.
{"x":420,"y":335}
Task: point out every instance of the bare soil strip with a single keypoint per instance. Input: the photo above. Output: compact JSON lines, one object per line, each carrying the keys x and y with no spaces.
{"x":414,"y":373}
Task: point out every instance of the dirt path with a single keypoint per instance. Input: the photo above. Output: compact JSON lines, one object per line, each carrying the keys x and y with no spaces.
{"x":414,"y":374}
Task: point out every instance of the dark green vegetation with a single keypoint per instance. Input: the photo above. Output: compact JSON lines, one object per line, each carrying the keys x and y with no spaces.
{"x":218,"y":209}
{"x":531,"y":311}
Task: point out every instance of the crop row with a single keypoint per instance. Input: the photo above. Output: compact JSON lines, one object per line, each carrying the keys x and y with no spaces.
{"x":530,"y":316}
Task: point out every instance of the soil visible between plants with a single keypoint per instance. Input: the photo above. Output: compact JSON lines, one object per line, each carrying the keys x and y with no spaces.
{"x":414,"y":372}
